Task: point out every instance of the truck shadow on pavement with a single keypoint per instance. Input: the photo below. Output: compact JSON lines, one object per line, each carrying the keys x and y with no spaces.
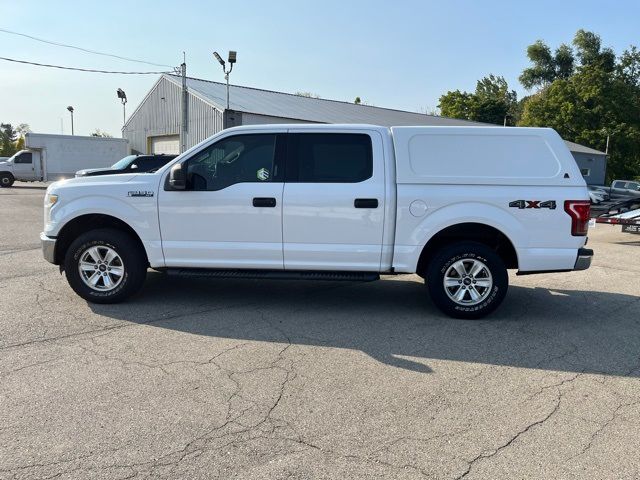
{"x":394,"y":322}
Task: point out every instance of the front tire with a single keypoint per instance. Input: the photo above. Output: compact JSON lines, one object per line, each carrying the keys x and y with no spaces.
{"x":105,"y":266}
{"x":467,"y":280}
{"x":6,"y":180}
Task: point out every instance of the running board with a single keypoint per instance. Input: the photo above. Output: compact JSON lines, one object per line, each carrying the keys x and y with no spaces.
{"x":276,"y":274}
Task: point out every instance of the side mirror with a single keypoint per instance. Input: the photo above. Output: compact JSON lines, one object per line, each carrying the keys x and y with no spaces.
{"x":134,"y":167}
{"x":177,"y":177}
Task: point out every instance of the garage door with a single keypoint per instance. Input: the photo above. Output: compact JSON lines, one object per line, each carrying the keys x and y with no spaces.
{"x":169,"y":144}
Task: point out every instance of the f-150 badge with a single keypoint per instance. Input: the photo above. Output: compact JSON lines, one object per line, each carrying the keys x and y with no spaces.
{"x":140,"y":193}
{"x":522,"y":204}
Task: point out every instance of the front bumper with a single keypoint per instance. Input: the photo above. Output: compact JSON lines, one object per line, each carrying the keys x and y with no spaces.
{"x":48,"y":248}
{"x":585,"y":255}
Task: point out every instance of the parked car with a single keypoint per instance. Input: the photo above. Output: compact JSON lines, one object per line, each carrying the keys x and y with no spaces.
{"x":595,"y":197}
{"x":52,"y":157}
{"x":130,"y":164}
{"x":456,"y":205}
{"x":600,"y":191}
{"x":626,"y":187}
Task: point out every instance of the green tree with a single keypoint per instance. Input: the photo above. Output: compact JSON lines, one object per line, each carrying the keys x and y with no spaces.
{"x":492,"y":102}
{"x":100,"y":133}
{"x":8,"y":138}
{"x":547,"y":66}
{"x":601,"y":98}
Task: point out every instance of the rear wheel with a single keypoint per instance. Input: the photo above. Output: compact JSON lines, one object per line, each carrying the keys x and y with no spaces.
{"x":467,"y":280}
{"x":105,"y":266}
{"x":6,"y":180}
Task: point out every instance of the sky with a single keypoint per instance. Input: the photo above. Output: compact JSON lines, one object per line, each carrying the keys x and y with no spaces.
{"x":400,"y":54}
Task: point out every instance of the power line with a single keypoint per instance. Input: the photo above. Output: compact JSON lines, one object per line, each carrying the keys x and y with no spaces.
{"x":80,"y":69}
{"x":82,"y":49}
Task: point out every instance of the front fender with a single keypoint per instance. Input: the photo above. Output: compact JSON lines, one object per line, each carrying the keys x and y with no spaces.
{"x":140,"y":213}
{"x":414,"y":233}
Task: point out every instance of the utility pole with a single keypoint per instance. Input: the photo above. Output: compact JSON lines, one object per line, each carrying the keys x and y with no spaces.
{"x":184,"y":126}
{"x":123,"y":99}
{"x":232,"y":59}
{"x":70,"y":108}
{"x":606,"y":149}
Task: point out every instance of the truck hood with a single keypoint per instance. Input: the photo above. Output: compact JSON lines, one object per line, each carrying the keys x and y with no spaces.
{"x":87,"y":171}
{"x":4,"y":163}
{"x":105,"y":179}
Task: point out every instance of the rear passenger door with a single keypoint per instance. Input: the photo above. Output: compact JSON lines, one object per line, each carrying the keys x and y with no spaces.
{"x":333,"y":201}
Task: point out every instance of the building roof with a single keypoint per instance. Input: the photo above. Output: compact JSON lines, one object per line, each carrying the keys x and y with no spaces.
{"x":576,"y":147}
{"x":320,"y":110}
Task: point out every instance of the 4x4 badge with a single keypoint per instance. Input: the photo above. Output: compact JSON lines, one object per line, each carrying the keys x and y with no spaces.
{"x":522,"y":204}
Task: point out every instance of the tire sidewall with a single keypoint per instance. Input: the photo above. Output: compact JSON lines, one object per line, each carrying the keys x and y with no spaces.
{"x":441,"y":264}
{"x":6,"y":180}
{"x":134,"y":267}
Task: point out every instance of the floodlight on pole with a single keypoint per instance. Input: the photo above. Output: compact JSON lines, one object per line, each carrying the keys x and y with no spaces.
{"x":233,"y":55}
{"x":123,"y":99}
{"x":219,"y":58}
{"x":70,"y":108}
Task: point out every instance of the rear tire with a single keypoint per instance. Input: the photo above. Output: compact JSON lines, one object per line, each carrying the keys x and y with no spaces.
{"x":105,"y":266}
{"x":467,"y":280}
{"x":6,"y":180}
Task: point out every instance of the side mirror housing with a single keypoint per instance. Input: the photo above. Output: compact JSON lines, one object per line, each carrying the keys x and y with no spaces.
{"x":134,"y":167}
{"x":177,"y":177}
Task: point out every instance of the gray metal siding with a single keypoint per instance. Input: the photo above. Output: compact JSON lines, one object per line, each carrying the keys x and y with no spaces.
{"x":597,"y":165}
{"x":159,"y":114}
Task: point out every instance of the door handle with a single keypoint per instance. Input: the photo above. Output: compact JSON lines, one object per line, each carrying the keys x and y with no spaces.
{"x":365,"y":203}
{"x":264,"y":202}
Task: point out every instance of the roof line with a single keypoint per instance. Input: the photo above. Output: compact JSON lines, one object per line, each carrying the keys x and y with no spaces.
{"x":155,"y":85}
{"x":320,"y":99}
{"x":174,"y":79}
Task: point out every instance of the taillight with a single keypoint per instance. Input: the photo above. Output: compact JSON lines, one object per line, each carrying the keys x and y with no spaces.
{"x":579,"y":211}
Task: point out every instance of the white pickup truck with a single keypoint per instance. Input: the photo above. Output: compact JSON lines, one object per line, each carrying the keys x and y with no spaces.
{"x":456,"y":205}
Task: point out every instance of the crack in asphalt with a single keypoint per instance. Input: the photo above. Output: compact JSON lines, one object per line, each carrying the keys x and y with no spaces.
{"x":486,"y":455}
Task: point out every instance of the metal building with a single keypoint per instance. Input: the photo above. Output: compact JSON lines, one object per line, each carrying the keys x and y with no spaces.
{"x":154,"y":127}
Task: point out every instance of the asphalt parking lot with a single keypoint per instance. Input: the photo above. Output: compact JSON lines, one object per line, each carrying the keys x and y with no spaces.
{"x":211,"y":378}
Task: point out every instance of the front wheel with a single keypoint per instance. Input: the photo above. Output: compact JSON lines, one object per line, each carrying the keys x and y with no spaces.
{"x":6,"y":180}
{"x":105,"y":266}
{"x":467,"y":280}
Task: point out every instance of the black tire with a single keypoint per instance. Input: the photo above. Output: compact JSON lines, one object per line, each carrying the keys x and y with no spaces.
{"x":6,"y":180}
{"x":494,"y":274}
{"x":131,"y":259}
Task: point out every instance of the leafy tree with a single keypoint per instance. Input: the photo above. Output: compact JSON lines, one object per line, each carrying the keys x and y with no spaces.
{"x":100,"y":133}
{"x":8,"y":137}
{"x":601,"y":98}
{"x":307,"y":94}
{"x":491,"y":102}
{"x":547,"y":67}
{"x":357,"y":101}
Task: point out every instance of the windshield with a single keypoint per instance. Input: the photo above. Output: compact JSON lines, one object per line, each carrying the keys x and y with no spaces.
{"x":124,"y":163}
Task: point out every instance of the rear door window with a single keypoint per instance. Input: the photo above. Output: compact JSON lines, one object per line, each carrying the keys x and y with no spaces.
{"x":329,"y":158}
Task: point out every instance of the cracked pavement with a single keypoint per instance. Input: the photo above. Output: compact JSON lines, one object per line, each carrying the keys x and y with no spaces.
{"x":214,"y":378}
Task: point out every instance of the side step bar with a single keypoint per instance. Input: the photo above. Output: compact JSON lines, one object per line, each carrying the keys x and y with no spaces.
{"x":276,"y":274}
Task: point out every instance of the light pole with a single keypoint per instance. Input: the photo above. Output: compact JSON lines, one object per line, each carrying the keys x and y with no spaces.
{"x":123,"y":99}
{"x":70,"y":108}
{"x":231,"y":60}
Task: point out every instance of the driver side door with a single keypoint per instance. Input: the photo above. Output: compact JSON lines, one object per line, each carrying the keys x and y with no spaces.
{"x":230,"y":214}
{"x":24,"y":167}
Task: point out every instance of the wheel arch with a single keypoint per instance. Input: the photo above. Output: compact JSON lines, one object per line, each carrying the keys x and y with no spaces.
{"x":469,"y":231}
{"x":85,"y":223}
